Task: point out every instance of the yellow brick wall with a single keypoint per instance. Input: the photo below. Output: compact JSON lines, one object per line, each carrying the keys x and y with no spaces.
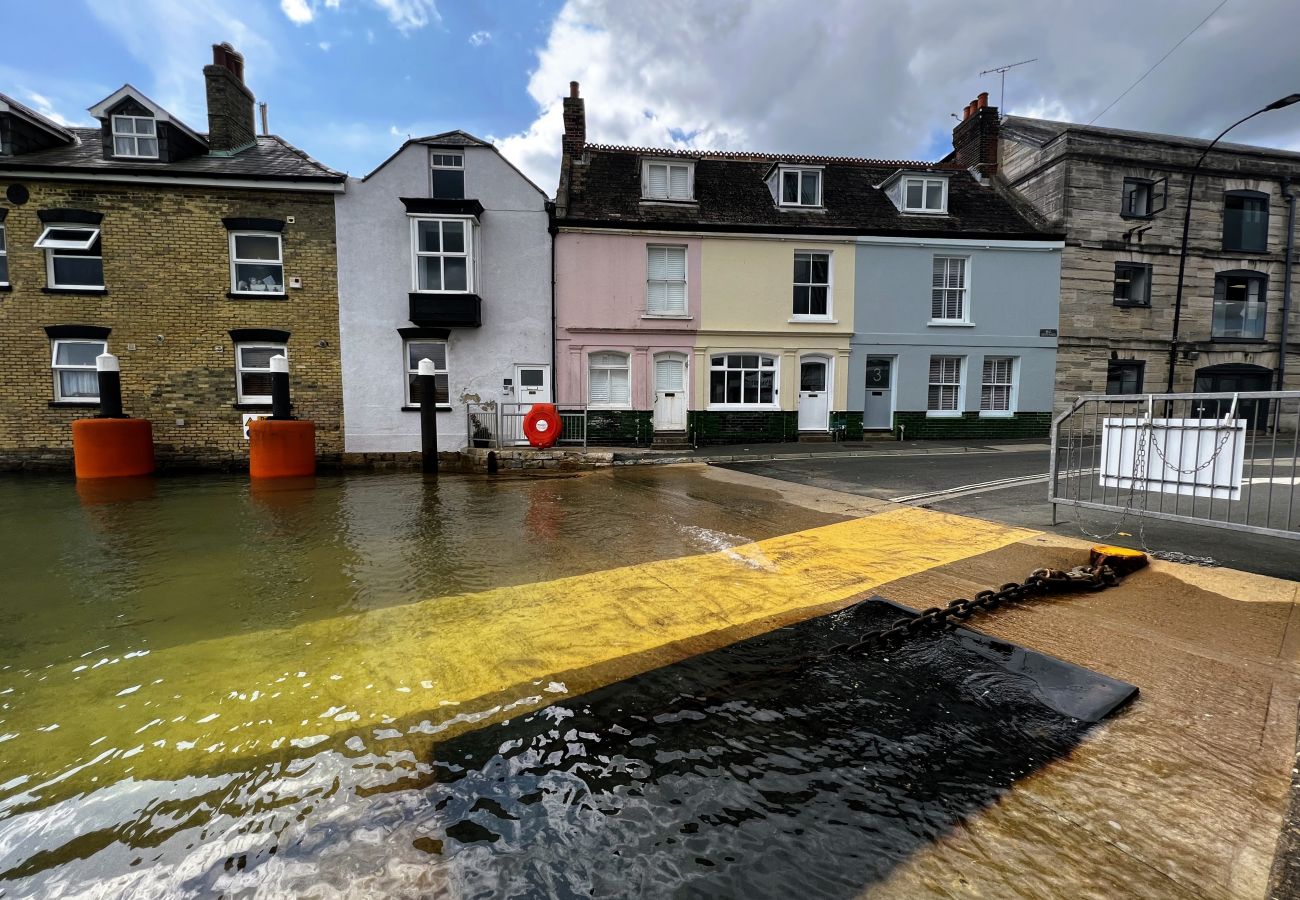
{"x":167,"y":272}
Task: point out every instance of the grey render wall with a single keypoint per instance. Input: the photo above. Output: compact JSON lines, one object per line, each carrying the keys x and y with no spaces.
{"x":513,"y":250}
{"x":1014,"y":292}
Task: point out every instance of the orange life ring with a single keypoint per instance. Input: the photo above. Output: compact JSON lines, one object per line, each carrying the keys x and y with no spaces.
{"x":542,"y":425}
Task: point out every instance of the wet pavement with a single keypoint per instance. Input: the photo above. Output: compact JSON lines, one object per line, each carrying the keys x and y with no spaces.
{"x":216,"y":690}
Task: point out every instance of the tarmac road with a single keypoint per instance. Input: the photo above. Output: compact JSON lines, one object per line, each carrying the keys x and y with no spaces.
{"x":1022,"y":502}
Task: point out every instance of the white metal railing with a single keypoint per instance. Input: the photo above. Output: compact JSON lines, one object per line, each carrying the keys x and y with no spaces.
{"x":1227,"y":460}
{"x":501,"y":425}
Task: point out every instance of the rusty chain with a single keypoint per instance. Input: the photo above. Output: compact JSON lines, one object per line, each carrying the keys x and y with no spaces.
{"x":1103,"y":572}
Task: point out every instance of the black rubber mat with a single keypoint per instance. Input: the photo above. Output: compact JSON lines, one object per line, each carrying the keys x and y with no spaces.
{"x":753,"y":772}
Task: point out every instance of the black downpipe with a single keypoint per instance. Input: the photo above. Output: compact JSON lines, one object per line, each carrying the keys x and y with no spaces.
{"x":553,"y":230}
{"x":1286,"y":283}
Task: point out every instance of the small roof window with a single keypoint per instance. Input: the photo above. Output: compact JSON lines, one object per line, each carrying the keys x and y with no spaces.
{"x":67,"y":237}
{"x":925,"y":195}
{"x":799,"y":187}
{"x":135,"y":137}
{"x":663,"y":179}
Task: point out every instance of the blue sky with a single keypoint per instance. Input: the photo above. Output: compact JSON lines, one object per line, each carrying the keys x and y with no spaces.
{"x":348,"y":80}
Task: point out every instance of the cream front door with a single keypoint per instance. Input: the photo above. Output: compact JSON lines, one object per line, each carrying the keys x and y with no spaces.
{"x":670,"y":393}
{"x":814,"y":395}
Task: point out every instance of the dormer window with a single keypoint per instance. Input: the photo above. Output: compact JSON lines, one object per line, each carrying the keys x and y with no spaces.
{"x":925,"y":195}
{"x":135,"y":137}
{"x":667,"y":180}
{"x":801,"y":187}
{"x":448,"y":175}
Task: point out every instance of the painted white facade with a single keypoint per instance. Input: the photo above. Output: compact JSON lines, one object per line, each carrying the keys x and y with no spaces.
{"x":511,"y":274}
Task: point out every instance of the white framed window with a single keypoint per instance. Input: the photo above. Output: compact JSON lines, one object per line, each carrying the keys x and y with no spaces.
{"x":256,"y":262}
{"x":73,"y":258}
{"x":415,"y":350}
{"x":925,"y":195}
{"x":4,"y":257}
{"x":442,"y":255}
{"x":945,"y":385}
{"x":742,"y":379}
{"x":73,"y":363}
{"x":609,"y":382}
{"x":800,"y":187}
{"x":665,"y":280}
{"x":812,"y":285}
{"x":253,"y":370}
{"x":447,"y":178}
{"x":667,"y":180}
{"x":998,"y":386}
{"x":135,"y":137}
{"x":948,"y":290}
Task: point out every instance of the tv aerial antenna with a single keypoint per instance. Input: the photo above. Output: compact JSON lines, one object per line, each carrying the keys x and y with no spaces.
{"x":1002,"y":71}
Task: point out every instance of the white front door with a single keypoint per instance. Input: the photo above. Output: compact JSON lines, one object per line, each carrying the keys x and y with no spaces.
{"x":814,"y":395}
{"x":670,"y":393}
{"x":532,"y":385}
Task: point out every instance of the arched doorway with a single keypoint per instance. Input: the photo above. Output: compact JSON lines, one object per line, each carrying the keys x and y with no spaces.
{"x":1236,"y":377}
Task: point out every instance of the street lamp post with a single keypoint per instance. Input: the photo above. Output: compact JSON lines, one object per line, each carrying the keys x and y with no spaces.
{"x":1187,"y":220}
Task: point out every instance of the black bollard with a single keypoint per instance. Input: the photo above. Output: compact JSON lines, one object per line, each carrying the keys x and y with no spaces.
{"x":428,"y":416}
{"x":109,"y":373}
{"x":280,"y":405}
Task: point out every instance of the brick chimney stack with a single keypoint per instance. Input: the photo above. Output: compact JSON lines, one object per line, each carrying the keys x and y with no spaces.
{"x":575,"y":122}
{"x":230,"y":102}
{"x":975,"y":139}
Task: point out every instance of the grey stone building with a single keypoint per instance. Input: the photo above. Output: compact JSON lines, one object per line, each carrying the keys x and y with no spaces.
{"x":444,"y":253}
{"x":1120,"y":196}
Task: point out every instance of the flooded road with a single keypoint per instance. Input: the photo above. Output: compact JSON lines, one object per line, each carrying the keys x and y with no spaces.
{"x":193,"y":667}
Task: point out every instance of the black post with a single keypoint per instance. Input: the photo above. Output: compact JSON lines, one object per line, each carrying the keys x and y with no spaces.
{"x":281,"y":408}
{"x":107,"y":370}
{"x":426,"y":380}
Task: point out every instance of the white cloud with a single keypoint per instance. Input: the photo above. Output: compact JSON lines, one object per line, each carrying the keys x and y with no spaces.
{"x":325,"y":45}
{"x":840,"y":78}
{"x":45,"y":107}
{"x":408,"y":15}
{"x":479,"y":38}
{"x":298,"y":11}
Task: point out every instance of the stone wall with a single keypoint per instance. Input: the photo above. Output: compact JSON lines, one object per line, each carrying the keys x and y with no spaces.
{"x":167,"y":273}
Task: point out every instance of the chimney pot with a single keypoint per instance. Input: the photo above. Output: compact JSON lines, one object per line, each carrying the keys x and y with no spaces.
{"x":984,"y":99}
{"x":573,"y":89}
{"x":965,"y":113}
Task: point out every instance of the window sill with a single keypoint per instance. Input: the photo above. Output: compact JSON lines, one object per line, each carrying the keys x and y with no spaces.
{"x":943,"y":413}
{"x":670,"y":201}
{"x":256,"y":295}
{"x":1119,"y":305}
{"x":1237,"y":340}
{"x":668,"y":316}
{"x":74,"y":404}
{"x":5,"y":288}
{"x":813,"y":320}
{"x":610,"y":408}
{"x":743,"y":407}
{"x":949,"y":323}
{"x":90,"y":291}
{"x":997,"y":414}
{"x":439,"y":407}
{"x":1142,"y":218}
{"x":799,"y":207}
{"x":923,"y":212}
{"x":255,"y":406}
{"x":1254,"y":251}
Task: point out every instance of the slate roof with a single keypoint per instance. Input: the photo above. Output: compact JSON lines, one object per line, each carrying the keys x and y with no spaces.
{"x":1041,"y":131}
{"x":732,"y":195}
{"x":271,"y":159}
{"x":34,"y":117}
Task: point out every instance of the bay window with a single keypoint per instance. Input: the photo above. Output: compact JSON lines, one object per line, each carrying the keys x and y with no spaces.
{"x":442,"y":255}
{"x":609,"y":382}
{"x":73,"y":364}
{"x":742,"y":379}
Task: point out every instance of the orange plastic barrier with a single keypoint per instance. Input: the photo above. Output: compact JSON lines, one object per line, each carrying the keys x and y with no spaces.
{"x":112,"y":448}
{"x":542,"y":425}
{"x":281,"y":448}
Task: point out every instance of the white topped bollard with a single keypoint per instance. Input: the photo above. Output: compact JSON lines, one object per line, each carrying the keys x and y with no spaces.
{"x":426,"y":380}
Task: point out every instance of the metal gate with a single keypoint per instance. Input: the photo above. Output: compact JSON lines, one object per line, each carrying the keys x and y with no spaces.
{"x":1228,"y":460}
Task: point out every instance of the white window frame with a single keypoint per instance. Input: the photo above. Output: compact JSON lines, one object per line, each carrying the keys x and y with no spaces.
{"x":469,"y":254}
{"x":775,"y":368}
{"x":56,"y":368}
{"x":684,"y":312}
{"x":782,"y":171}
{"x":440,"y":155}
{"x":626,"y":367}
{"x":235,"y":262}
{"x":960,"y":384}
{"x":964,"y":319}
{"x":52,"y":246}
{"x":925,"y":181}
{"x":668,"y":195}
{"x":4,"y":255}
{"x":829,"y":315}
{"x":1013,"y":386}
{"x":415,"y":370}
{"x":135,"y":136}
{"x":254,"y":399}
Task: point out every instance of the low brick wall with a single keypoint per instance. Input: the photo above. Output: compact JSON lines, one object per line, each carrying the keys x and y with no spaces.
{"x":730,"y":427}
{"x":620,"y":427}
{"x":918,"y":426}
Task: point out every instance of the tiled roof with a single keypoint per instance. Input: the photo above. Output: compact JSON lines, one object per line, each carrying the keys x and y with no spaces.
{"x":452,"y":139}
{"x":36,"y":118}
{"x":732,"y":195}
{"x":270,"y":158}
